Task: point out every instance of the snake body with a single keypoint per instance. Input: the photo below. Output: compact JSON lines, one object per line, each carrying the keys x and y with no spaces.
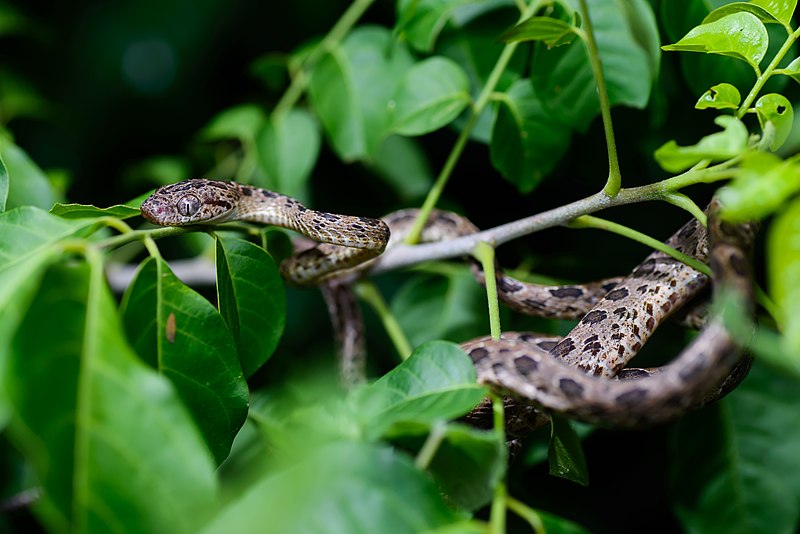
{"x":350,"y":240}
{"x":572,"y":375}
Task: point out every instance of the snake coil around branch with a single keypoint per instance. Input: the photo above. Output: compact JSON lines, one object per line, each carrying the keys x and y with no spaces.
{"x":579,"y":375}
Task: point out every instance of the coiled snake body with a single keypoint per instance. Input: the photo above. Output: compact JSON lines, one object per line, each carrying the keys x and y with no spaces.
{"x":573,"y":375}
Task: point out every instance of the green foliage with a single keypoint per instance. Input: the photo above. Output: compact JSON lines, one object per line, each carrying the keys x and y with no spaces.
{"x":187,"y":409}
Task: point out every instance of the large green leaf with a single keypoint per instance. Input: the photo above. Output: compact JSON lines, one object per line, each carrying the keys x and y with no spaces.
{"x":436,"y":383}
{"x":352,"y":87}
{"x":783,"y":255}
{"x":737,"y":467}
{"x":740,"y":35}
{"x":111,"y":443}
{"x":526,"y":141}
{"x":421,"y":21}
{"x":441,"y":307}
{"x":763,"y":183}
{"x":79,"y":211}
{"x":27,"y":184}
{"x":627,"y":35}
{"x":723,"y":145}
{"x":432,"y":94}
{"x":469,"y":464}
{"x":343,"y":488}
{"x":551,"y":31}
{"x":287,"y":149}
{"x":767,"y":11}
{"x":403,"y":165}
{"x":179,"y":332}
{"x":239,"y":122}
{"x":252,"y":300}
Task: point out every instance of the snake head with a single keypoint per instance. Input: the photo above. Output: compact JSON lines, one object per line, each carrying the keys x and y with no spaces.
{"x":193,"y":201}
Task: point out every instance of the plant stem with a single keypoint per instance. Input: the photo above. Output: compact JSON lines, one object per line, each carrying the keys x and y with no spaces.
{"x":497,"y":518}
{"x":527,"y":513}
{"x":336,"y":34}
{"x":614,"y":181}
{"x":484,"y":253}
{"x":587,"y":221}
{"x":369,"y":293}
{"x":455,"y":153}
{"x":762,"y":79}
{"x":686,"y":203}
{"x":431,"y":445}
{"x":403,"y":255}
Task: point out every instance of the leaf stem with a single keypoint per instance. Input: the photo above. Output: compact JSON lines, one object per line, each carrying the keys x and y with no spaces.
{"x":497,"y":517}
{"x":587,"y":221}
{"x":764,"y":76}
{"x":686,"y":203}
{"x":483,"y":99}
{"x":484,"y":253}
{"x":527,"y":513}
{"x":431,"y":445}
{"x":614,"y":181}
{"x":367,"y":292}
{"x":336,"y":34}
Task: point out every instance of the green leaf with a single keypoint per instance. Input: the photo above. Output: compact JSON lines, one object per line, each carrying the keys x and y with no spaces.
{"x":436,"y":383}
{"x":432,"y":94}
{"x":421,"y":21}
{"x":566,"y":453}
{"x":240,"y":122}
{"x":468,"y":465}
{"x":94,"y":437}
{"x":627,"y":39}
{"x":27,"y":184}
{"x":85,"y":211}
{"x":770,"y":12}
{"x":792,"y":70}
{"x":179,"y":332}
{"x":551,"y":31}
{"x":3,"y":185}
{"x":526,"y":142}
{"x":30,"y":231}
{"x":783,"y":264}
{"x":403,"y":165}
{"x":251,"y":299}
{"x":763,"y":183}
{"x":721,"y":96}
{"x":351,"y":89}
{"x":342,"y":488}
{"x":440,"y":307}
{"x":744,"y":474}
{"x":778,"y":110}
{"x":740,"y":35}
{"x":718,"y":146}
{"x":287,"y":151}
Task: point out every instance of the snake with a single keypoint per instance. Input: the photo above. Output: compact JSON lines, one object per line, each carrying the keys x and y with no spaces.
{"x":582,"y":375}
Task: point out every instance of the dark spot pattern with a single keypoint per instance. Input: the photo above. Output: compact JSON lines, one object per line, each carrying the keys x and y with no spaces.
{"x":478,"y":355}
{"x":571,"y":388}
{"x":632,"y":397}
{"x":644,"y":269}
{"x":617,"y":294}
{"x":509,"y":285}
{"x":567,"y":292}
{"x":594,"y":317}
{"x":564,"y":347}
{"x":526,"y":365}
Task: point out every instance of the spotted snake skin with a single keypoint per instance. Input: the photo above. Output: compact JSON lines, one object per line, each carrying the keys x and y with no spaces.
{"x":573,"y":375}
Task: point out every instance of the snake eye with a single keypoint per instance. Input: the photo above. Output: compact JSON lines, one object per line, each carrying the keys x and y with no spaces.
{"x":188,"y":205}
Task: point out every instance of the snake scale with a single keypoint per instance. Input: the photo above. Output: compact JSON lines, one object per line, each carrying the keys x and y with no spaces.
{"x":577,"y":375}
